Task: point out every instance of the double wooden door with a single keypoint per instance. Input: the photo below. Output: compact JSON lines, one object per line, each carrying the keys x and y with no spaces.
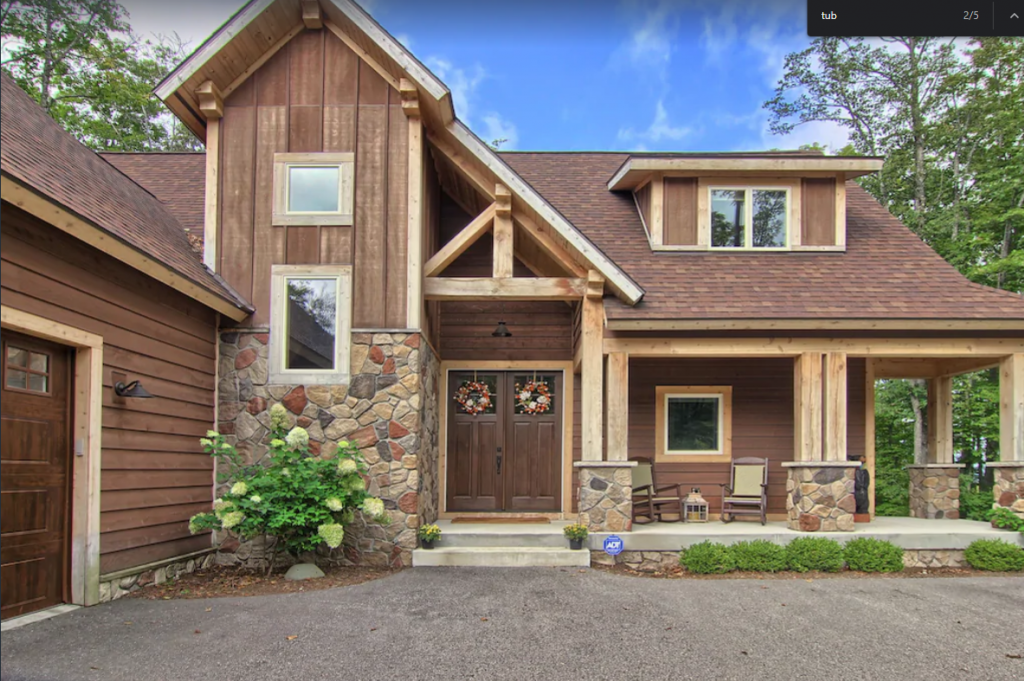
{"x":504,"y":459}
{"x":34,"y":475}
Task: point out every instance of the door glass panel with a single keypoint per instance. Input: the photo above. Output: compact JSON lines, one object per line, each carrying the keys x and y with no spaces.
{"x":17,"y":357}
{"x":17,"y":379}
{"x":535,"y":395}
{"x":472,"y":398}
{"x":38,"y":383}
{"x":40,"y":363}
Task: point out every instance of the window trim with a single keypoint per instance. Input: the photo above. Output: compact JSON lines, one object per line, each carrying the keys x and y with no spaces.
{"x":748,"y":241}
{"x":340,"y":375}
{"x":663,"y":394}
{"x":283,"y":163}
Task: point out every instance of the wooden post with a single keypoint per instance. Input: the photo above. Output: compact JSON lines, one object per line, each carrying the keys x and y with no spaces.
{"x":869,"y":428}
{"x":311,"y":16}
{"x":657,"y":225}
{"x":618,"y":406}
{"x":212,"y":219}
{"x":1011,"y":408}
{"x":940,"y":419}
{"x":807,"y":414}
{"x":502,"y":232}
{"x":835,"y":406}
{"x":411,"y":108}
{"x":593,"y":367}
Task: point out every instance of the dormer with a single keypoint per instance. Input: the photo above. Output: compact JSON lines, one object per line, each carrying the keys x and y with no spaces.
{"x":776,"y":201}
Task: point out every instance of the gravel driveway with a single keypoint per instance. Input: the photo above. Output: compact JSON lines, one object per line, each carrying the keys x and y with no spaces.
{"x":545,"y":624}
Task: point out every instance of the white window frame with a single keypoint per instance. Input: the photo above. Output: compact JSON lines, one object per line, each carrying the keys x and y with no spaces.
{"x":664,"y":393}
{"x":748,"y":239}
{"x":279,"y":373}
{"x":283,"y":163}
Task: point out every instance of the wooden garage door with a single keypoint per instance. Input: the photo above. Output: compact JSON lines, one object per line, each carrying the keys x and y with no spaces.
{"x":34,"y":476}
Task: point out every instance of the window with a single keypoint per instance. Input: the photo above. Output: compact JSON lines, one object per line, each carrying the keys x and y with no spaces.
{"x":749,"y":217}
{"x":310,"y":324}
{"x":694,"y":423}
{"x":26,"y":370}
{"x":313,"y":189}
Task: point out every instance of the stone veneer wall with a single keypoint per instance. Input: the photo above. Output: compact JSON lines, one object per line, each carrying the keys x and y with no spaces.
{"x":381,"y":410}
{"x":1009,"y":488}
{"x":606,"y":498}
{"x":121,"y":584}
{"x":821,"y":498}
{"x":934,"y":491}
{"x":660,"y":561}
{"x":429,"y":445}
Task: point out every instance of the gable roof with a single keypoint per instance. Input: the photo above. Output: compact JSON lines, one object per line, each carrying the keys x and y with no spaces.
{"x":37,"y":157}
{"x":887,"y":272}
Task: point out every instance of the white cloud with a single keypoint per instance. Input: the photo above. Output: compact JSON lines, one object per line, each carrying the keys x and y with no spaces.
{"x":498,"y":128}
{"x":649,"y":47}
{"x":405,"y":39}
{"x":464,"y":84}
{"x":660,"y":130}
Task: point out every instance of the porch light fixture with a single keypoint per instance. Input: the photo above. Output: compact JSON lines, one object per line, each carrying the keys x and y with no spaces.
{"x":502,"y":331}
{"x":131,"y":390}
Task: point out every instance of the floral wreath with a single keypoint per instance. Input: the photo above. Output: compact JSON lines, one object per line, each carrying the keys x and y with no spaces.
{"x":533,"y":398}
{"x":474,"y":397}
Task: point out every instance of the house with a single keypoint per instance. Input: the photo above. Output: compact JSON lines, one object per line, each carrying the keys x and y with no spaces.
{"x":500,"y":333}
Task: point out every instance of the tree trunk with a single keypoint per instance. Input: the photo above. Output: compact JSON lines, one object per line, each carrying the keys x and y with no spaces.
{"x":920,"y":430}
{"x":917,"y":129}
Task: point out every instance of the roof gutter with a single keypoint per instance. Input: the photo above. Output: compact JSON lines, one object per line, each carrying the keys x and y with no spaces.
{"x":874,"y":324}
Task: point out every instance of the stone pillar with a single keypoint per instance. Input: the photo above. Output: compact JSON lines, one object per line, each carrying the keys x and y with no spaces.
{"x":606,"y":495}
{"x":1009,"y":486}
{"x":820,"y":496}
{"x":935,"y":490}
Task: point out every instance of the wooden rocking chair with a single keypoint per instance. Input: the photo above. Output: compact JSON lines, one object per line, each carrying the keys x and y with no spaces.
{"x":747,"y":491}
{"x":653,"y":501}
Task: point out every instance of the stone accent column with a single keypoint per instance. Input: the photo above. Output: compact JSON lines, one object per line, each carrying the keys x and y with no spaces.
{"x":606,"y":495}
{"x":820,"y":496}
{"x":935,"y":490}
{"x":1009,"y":486}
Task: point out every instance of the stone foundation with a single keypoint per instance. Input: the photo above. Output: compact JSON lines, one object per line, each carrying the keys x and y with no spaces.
{"x":430,"y":452}
{"x":935,"y":491}
{"x":660,"y":561}
{"x":933,"y":559}
{"x":120,"y":584}
{"x":606,"y":496}
{"x":820,"y":497}
{"x":381,"y":410}
{"x":1009,"y":486}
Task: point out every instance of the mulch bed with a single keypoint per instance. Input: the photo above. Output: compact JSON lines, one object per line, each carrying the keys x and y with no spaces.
{"x":226,"y":582}
{"x":913,"y":573}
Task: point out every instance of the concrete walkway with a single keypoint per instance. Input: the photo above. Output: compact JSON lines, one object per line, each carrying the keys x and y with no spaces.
{"x":436,"y":623}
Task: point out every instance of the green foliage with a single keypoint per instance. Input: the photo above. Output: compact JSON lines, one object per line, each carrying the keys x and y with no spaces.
{"x":995,"y":555}
{"x":873,"y":555}
{"x":708,"y":558}
{"x":975,"y":503}
{"x":815,"y":553}
{"x":430,"y":533}
{"x":576,"y":532}
{"x":759,"y":556}
{"x":1005,"y":519}
{"x":302,"y":499}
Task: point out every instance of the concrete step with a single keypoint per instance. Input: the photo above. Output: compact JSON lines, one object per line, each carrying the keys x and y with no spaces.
{"x":496,"y":556}
{"x":552,"y":539}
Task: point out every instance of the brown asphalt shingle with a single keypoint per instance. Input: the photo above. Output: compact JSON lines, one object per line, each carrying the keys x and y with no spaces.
{"x":887,"y":272}
{"x":36,"y":151}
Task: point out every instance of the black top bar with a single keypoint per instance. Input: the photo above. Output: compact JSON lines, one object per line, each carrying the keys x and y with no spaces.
{"x":848,"y":18}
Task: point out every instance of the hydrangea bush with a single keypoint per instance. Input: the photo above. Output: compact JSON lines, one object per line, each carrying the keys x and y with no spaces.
{"x":303,"y":500}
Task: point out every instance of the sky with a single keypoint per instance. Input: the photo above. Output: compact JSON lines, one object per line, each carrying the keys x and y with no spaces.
{"x":632,"y":75}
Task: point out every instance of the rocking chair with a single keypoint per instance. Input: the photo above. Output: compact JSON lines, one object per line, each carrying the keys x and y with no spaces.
{"x":653,"y":501}
{"x":747,"y":491}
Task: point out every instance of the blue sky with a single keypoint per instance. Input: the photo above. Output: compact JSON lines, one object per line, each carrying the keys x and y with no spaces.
{"x":674,"y":75}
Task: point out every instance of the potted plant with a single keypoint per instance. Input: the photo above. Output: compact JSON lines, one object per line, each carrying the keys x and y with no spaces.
{"x":429,"y":534}
{"x":576,"y":533}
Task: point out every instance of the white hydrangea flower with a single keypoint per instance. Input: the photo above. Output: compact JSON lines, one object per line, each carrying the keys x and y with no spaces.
{"x":212,"y":434}
{"x":356,"y":483}
{"x":332,"y":534}
{"x":278,"y":416}
{"x":334,"y":503}
{"x":222,"y":505}
{"x":193,"y":528}
{"x":344,"y":444}
{"x":232,"y":519}
{"x":373,"y":507}
{"x":286,"y":473}
{"x":206,"y":443}
{"x":347,"y":466}
{"x":277,"y":444}
{"x":255,"y":498}
{"x":225,"y":446}
{"x":298,"y":438}
{"x":239,"y":489}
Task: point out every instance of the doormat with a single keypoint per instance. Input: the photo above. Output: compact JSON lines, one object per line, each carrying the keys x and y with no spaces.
{"x":531,"y":520}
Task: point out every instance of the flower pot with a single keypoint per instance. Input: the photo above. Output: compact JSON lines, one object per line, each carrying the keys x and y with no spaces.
{"x":576,"y":544}
{"x":424,"y":544}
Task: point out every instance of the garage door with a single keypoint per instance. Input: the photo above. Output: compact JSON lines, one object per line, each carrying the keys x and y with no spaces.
{"x":34,"y":476}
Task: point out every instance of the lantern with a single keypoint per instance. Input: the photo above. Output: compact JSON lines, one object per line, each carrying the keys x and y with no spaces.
{"x":695,"y":507}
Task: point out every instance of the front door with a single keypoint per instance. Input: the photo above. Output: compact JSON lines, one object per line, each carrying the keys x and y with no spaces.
{"x":503,"y":457}
{"x":34,"y":462}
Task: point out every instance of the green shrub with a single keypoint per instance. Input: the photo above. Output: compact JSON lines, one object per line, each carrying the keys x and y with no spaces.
{"x":873,"y":555}
{"x":975,"y":503}
{"x":995,"y":555}
{"x":1005,"y":519}
{"x":759,"y":556}
{"x":708,"y":558}
{"x":815,"y":553}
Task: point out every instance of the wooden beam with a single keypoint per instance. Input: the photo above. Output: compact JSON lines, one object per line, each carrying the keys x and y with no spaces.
{"x":835,"y":406}
{"x":458,"y":245}
{"x":414,"y":300}
{"x":410,"y":97}
{"x":940,"y":420}
{"x":931,"y":368}
{"x":519,"y":288}
{"x":657,"y":226}
{"x":791,"y":347}
{"x":869,"y":429}
{"x":807,"y":415}
{"x":211,"y":220}
{"x":311,"y":16}
{"x":479,"y":180}
{"x":1011,"y":408}
{"x":618,"y":406}
{"x":595,"y":288}
{"x":264,"y":58}
{"x":548,"y":244}
{"x":956,"y":367}
{"x":211,"y":100}
{"x":592,"y":378}
{"x":504,"y":239}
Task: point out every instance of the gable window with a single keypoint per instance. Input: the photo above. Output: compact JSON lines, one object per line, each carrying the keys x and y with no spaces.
{"x":310,"y":324}
{"x":748,"y":217}
{"x":694,"y":423}
{"x":313,"y":189}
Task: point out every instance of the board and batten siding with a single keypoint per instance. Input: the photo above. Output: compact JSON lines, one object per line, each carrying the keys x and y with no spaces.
{"x":155,"y":475}
{"x":316,"y":95}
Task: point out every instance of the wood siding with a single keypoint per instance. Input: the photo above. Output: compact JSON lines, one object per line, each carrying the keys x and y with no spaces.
{"x":643,"y":202}
{"x":762,"y":423}
{"x":154,"y":475}
{"x":680,"y":211}
{"x":317,"y":95}
{"x":818,"y":221}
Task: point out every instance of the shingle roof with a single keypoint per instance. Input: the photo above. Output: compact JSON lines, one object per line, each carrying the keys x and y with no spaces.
{"x":887,"y":272}
{"x":36,"y":151}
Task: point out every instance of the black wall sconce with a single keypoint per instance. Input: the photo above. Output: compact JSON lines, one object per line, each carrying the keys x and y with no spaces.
{"x":131,"y":390}
{"x":502,"y":331}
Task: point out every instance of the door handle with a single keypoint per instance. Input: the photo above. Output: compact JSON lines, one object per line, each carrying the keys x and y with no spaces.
{"x":499,"y":460}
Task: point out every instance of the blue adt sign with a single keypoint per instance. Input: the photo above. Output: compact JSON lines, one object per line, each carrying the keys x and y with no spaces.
{"x":613,"y":545}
